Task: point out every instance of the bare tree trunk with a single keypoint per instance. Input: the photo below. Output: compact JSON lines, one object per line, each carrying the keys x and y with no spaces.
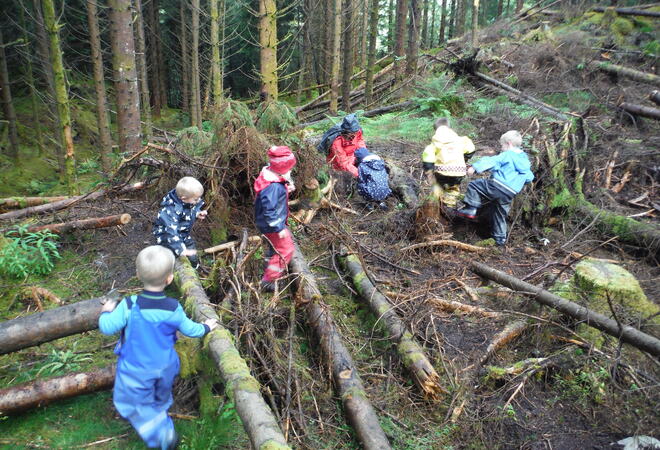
{"x":268,"y":45}
{"x":357,"y":407}
{"x":38,"y":393}
{"x":215,"y":52}
{"x":519,"y":5}
{"x":7,"y":103}
{"x":161,"y":65}
{"x":24,"y":202}
{"x":432,"y":28}
{"x":334,"y":71}
{"x":347,"y":69}
{"x":152,"y":56}
{"x":105,"y":139}
{"x":373,"y":37}
{"x":425,"y":26}
{"x":195,"y":88}
{"x":83,"y":224}
{"x":364,"y":35}
{"x":644,"y":77}
{"x":257,"y":419}
{"x":185,"y":60}
{"x":30,"y":81}
{"x":413,"y":39}
{"x":443,"y":21}
{"x":391,"y":7}
{"x":400,"y":37}
{"x":61,"y":94}
{"x":125,"y":75}
{"x":625,"y":333}
{"x":141,"y":59}
{"x":500,"y":8}
{"x":37,"y":328}
{"x":475,"y":23}
{"x":641,"y":110}
{"x":461,"y":15}
{"x":452,"y":18}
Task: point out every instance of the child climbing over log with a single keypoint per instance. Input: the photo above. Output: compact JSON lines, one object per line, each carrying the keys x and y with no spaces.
{"x":179,"y":210}
{"x":445,"y":156}
{"x":340,"y":142}
{"x":510,"y":171}
{"x":373,"y":178}
{"x":148,"y":363}
{"x":271,"y":211}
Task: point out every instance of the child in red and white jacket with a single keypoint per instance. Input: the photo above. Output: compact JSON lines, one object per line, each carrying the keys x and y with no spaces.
{"x":271,"y":211}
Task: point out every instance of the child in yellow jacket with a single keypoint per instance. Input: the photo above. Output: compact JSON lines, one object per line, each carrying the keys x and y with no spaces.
{"x":445,"y":155}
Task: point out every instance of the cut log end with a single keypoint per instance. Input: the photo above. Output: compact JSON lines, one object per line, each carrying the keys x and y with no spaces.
{"x":124,"y":219}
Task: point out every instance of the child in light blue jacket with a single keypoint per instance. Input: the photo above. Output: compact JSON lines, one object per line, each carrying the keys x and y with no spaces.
{"x":510,"y":171}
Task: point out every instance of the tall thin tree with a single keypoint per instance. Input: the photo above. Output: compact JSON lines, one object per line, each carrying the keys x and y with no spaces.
{"x":475,"y":22}
{"x":216,"y":63}
{"x":105,"y":139}
{"x":425,"y":26}
{"x":443,"y":21}
{"x":185,"y":59}
{"x":195,"y":88}
{"x":347,"y":69}
{"x":431,"y":35}
{"x":7,"y":102}
{"x":61,"y":94}
{"x":141,"y":59}
{"x":371,"y":60}
{"x":29,"y":78}
{"x":125,"y":76}
{"x":400,"y":37}
{"x":413,"y":38}
{"x":334,"y":71}
{"x":268,"y":47}
{"x":150,"y":19}
{"x":390,"y":25}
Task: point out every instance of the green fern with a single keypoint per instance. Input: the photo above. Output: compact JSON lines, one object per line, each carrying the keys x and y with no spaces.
{"x":25,"y":253}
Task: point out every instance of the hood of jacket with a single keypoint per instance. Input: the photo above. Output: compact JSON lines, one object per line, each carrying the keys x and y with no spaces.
{"x":350,"y":124}
{"x":265,"y":178}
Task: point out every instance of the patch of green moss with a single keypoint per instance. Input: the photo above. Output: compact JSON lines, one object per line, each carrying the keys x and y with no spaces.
{"x":189,"y":356}
{"x":622,"y":26}
{"x":490,"y":242}
{"x":272,"y":445}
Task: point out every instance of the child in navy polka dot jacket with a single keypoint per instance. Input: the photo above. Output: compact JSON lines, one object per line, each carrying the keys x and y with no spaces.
{"x":373,"y":182}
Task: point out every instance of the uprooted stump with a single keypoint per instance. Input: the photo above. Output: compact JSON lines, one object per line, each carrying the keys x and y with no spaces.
{"x":403,"y":184}
{"x":357,"y":406}
{"x":411,"y":354}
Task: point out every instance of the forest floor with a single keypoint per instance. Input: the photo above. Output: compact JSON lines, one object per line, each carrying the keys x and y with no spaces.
{"x":589,"y":397}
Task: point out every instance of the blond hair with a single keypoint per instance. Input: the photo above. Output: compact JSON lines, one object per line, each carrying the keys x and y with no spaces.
{"x":154,"y":264}
{"x":511,"y":138}
{"x":189,"y":187}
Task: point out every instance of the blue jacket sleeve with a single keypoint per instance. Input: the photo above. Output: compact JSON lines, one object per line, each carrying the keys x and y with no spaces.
{"x":486,"y":163}
{"x":189,"y":327}
{"x":113,"y":322}
{"x":273,"y":204}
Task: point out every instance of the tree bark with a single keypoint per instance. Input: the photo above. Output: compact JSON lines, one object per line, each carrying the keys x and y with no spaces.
{"x":357,"y":407}
{"x":150,"y":19}
{"x":475,"y":23}
{"x":443,"y":21}
{"x":61,"y":94}
{"x":347,"y":69}
{"x":425,"y":26}
{"x":83,"y":224}
{"x":400,"y":37}
{"x":268,"y":48}
{"x":500,"y":8}
{"x":161,"y":67}
{"x":29,"y":75}
{"x":334,"y":69}
{"x":371,"y":58}
{"x":125,"y":75}
{"x":215,"y":52}
{"x":257,"y":419}
{"x":195,"y":87}
{"x":185,"y":61}
{"x":7,"y":103}
{"x":38,"y":393}
{"x":625,"y":333}
{"x":644,"y":77}
{"x":24,"y":202}
{"x":35,"y":329}
{"x":628,"y":11}
{"x":61,"y":204}
{"x":519,"y":6}
{"x":411,"y":354}
{"x":461,"y":17}
{"x":431,"y":38}
{"x":141,"y":59}
{"x":391,"y":7}
{"x":641,"y":110}
{"x":105,"y":139}
{"x":413,"y":39}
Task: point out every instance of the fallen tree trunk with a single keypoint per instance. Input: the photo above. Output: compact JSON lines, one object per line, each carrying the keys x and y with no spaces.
{"x":256,"y":417}
{"x":627,"y":72}
{"x":508,"y":334}
{"x":625,"y":333}
{"x":41,"y":392}
{"x":61,"y":204}
{"x":411,"y":354}
{"x":627,"y":11}
{"x":35,"y":329}
{"x":357,"y":407}
{"x":641,"y":110}
{"x":24,"y":202}
{"x":84,"y":224}
{"x":231,"y":244}
{"x":371,"y":113}
{"x":655,"y":97}
{"x":402,"y":184}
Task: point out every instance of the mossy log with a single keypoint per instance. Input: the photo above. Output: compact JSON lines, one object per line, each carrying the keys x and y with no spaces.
{"x":628,"y":11}
{"x":35,"y":329}
{"x":403,"y":184}
{"x":41,"y":392}
{"x":623,"y":332}
{"x":257,"y":418}
{"x":411,"y":354}
{"x":24,"y":202}
{"x":61,"y":204}
{"x":83,"y":224}
{"x":641,"y":110}
{"x":357,"y":407}
{"x":636,"y":75}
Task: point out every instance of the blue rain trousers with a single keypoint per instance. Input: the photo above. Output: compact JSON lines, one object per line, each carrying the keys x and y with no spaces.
{"x":481,"y":192}
{"x":147,"y":367}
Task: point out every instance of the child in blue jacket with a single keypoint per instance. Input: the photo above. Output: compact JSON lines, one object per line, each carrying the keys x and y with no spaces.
{"x":148,"y":362}
{"x":510,"y":171}
{"x":373,"y":178}
{"x":179,"y":210}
